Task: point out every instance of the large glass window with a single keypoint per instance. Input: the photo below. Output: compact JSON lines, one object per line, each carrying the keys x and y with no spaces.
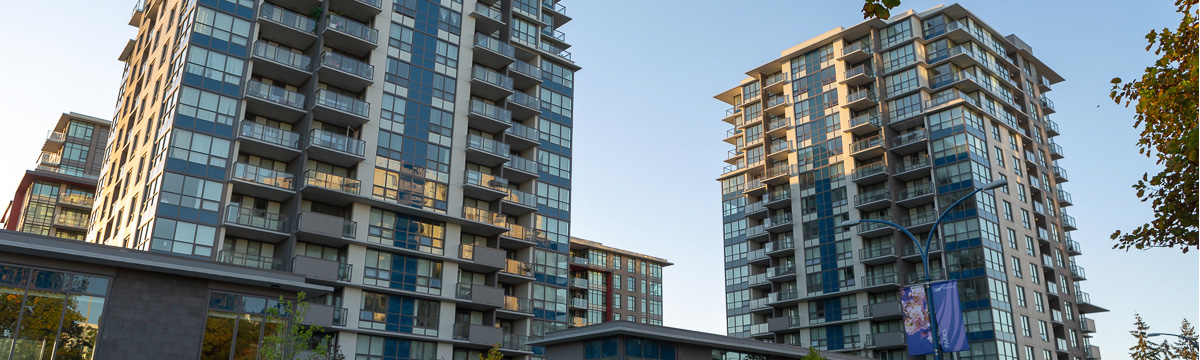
{"x":900,"y":31}
{"x":385,"y":348}
{"x":207,"y":106}
{"x":49,"y":314}
{"x":199,"y":148}
{"x":402,"y":272}
{"x":236,"y":325}
{"x":183,"y":238}
{"x":898,"y":58}
{"x":406,"y":232}
{"x":80,"y":130}
{"x":76,"y":152}
{"x":221,"y":26}
{"x":525,"y":31}
{"x":399,"y":313}
{"x":214,"y":66}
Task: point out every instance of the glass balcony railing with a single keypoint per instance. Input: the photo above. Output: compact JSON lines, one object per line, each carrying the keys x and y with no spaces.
{"x":283,"y":56}
{"x":880,"y":279}
{"x":525,"y":100}
{"x":522,"y":164}
{"x":775,"y":79}
{"x":860,"y":70}
{"x":478,"y":215}
{"x":77,"y":199}
{"x":872,"y":119}
{"x":554,"y":50}
{"x":516,"y":304}
{"x":523,"y":131}
{"x":264,"y":176}
{"x":516,"y":267}
{"x":876,"y":251}
{"x":780,"y":245}
{"x":778,"y":123}
{"x":872,"y":196}
{"x":868,"y":170}
{"x":491,"y":111}
{"x":78,"y":220}
{"x":521,"y":197}
{"x":865,"y":46}
{"x":779,"y":219}
{"x":489,"y":12}
{"x":495,"y":45}
{"x":352,"y":28}
{"x":339,"y":142}
{"x":250,"y":260}
{"x":868,"y":143}
{"x":486,"y":180}
{"x":776,"y":100}
{"x":274,"y":94}
{"x":487,"y":145}
{"x":332,"y":182}
{"x":343,"y":102}
{"x":921,"y":218}
{"x":271,"y":135}
{"x":527,"y":69}
{"x":870,"y":226}
{"x":257,"y":218}
{"x":1046,"y":103}
{"x":491,"y":77}
{"x":868,"y":95}
{"x":945,"y":97}
{"x":287,"y":18}
{"x":347,"y":65}
{"x":909,"y":138}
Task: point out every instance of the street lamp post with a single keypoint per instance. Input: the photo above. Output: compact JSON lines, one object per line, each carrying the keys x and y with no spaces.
{"x":924,"y":251}
{"x":1194,"y":345}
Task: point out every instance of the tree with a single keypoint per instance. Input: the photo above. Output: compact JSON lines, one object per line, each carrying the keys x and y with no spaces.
{"x":879,"y":8}
{"x":1166,"y":105}
{"x":296,"y":341}
{"x":1144,"y":349}
{"x":1184,"y":349}
{"x":813,"y":354}
{"x":1147,"y":350}
{"x":492,"y":354}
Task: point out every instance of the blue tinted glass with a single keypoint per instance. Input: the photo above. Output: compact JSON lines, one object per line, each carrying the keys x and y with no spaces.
{"x":13,"y":276}
{"x":609,"y":347}
{"x":668,"y":351}
{"x":50,"y":280}
{"x":633,"y":347}
{"x":94,"y":285}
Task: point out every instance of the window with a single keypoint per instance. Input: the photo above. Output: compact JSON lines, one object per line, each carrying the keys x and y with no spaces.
{"x":237,"y":324}
{"x":1029,"y":245}
{"x":183,"y":238}
{"x":199,"y":148}
{"x":58,"y":305}
{"x":898,"y":58}
{"x":1025,"y":328}
{"x":221,"y":26}
{"x":1012,"y":238}
{"x":207,"y":106}
{"x":1003,"y":177}
{"x":1034,"y":274}
{"x":555,"y":133}
{"x":616,"y":301}
{"x":402,"y":272}
{"x":1016,"y":165}
{"x":215,"y":66}
{"x":1037,"y":302}
{"x":406,"y":232}
{"x":398,"y":313}
{"x":1000,"y":157}
{"x":1044,"y":331}
{"x":896,"y":33}
{"x":617,"y":280}
{"x":1025,"y":219}
{"x":80,"y":130}
{"x":901,"y":82}
{"x":1016,"y":266}
{"x":1008,"y":215}
{"x":76,"y":152}
{"x":387,"y":348}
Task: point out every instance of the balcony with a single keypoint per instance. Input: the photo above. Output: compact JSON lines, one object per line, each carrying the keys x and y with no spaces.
{"x":756,"y":233}
{"x":481,"y":258}
{"x":858,"y":75}
{"x":263,"y":183}
{"x":515,"y":342}
{"x":915,"y":196}
{"x":873,"y":229}
{"x":918,"y":277}
{"x":919,"y":221}
{"x":856,"y":52}
{"x":49,"y":159}
{"x":783,"y":323}
{"x":1092,"y":352}
{"x":860,"y":100}
{"x":54,"y":141}
{"x":887,"y":340}
{"x":1047,"y":105}
{"x":778,"y":174}
{"x":283,"y":104}
{"x":910,"y":251}
{"x":784,"y":297}
{"x":492,"y":52}
{"x":1087,"y":325}
{"x":483,"y":186}
{"x":487,"y":18}
{"x":1084,"y":300}
{"x":250,"y":260}
{"x":779,"y":150}
{"x":776,"y":105}
{"x":873,"y":200}
{"x":479,"y":297}
{"x":558,"y":11}
{"x":267,"y":141}
{"x":876,"y":255}
{"x":350,"y":36}
{"x":331,"y":188}
{"x":883,"y":311}
{"x":518,"y":203}
{"x":490,"y":84}
{"x":578,"y":283}
{"x":286,"y":27}
{"x":912,"y":168}
{"x":73,"y":221}
{"x":258,"y":224}
{"x":947,"y":97}
{"x":486,"y":152}
{"x":778,"y":199}
{"x":480,"y":335}
{"x":519,"y":169}
{"x":556,"y":51}
{"x":520,"y":137}
{"x":78,"y":200}
{"x":775,"y":82}
{"x":489,"y":118}
{"x":880,"y":282}
{"x":524,"y":105}
{"x":322,"y":270}
{"x":335,"y":148}
{"x":1060,"y":346}
{"x":515,"y":308}
{"x":324,"y":229}
{"x":869,"y":174}
{"x":778,"y":126}
{"x":1068,"y":222}
{"x":1060,"y":174}
{"x":1056,"y":151}
{"x":281,"y":63}
{"x":363,"y":10}
{"x":1064,"y":198}
{"x":780,"y":247}
{"x":1051,"y":127}
{"x":340,"y":109}
{"x":864,"y":124}
{"x":1077,"y":273}
{"x":1052,"y":289}
{"x":518,"y":269}
{"x":345,"y":72}
{"x":1073,"y":248}
{"x":909,"y":143}
{"x":779,"y":222}
{"x":525,"y":75}
{"x":868,"y":148}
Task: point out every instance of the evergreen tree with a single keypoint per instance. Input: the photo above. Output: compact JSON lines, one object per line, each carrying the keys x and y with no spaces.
{"x":1183,"y":348}
{"x":1144,"y":349}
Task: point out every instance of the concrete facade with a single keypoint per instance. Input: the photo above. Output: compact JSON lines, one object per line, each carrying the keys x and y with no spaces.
{"x":609,"y":284}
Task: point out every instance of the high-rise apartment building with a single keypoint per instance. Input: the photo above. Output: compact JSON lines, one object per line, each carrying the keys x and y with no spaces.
{"x":55,"y":198}
{"x":896,"y":120}
{"x":415,"y":155}
{"x":610,"y":284}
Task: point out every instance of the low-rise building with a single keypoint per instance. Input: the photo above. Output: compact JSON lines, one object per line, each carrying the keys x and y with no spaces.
{"x":609,"y":284}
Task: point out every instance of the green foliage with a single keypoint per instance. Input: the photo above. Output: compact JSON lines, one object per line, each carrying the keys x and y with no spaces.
{"x":1166,"y":105}
{"x":881,"y":9}
{"x":492,"y":354}
{"x":296,"y":341}
{"x":813,"y":354}
{"x":315,"y":13}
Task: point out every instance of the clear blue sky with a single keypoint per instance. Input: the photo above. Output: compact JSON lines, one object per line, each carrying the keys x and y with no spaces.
{"x":650,"y":71}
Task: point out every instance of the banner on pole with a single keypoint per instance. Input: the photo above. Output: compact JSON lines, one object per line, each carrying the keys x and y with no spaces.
{"x":952,"y":332}
{"x":916,"y":320}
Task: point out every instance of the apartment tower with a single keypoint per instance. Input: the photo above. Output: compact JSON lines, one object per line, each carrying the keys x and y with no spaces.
{"x":611,"y":284}
{"x":895,"y":120}
{"x":55,"y":198}
{"x":414,"y":155}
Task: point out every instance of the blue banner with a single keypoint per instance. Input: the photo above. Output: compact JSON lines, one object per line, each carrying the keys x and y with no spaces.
{"x":916,"y":320}
{"x":952,"y":332}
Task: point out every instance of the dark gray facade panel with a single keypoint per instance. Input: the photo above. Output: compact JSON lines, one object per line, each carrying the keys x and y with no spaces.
{"x":153,"y":316}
